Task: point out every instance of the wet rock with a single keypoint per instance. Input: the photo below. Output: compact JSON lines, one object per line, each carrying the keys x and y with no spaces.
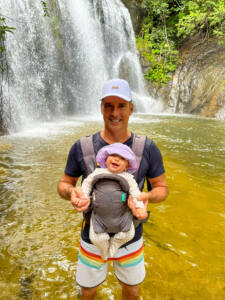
{"x":2,"y":131}
{"x":198,"y":85}
{"x":137,"y":13}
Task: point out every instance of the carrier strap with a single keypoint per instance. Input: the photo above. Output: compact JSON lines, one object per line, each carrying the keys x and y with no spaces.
{"x":138,"y":149}
{"x":87,"y":148}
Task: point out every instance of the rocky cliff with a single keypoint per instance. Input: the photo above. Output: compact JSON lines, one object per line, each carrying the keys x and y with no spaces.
{"x":137,"y":13}
{"x":198,"y":84}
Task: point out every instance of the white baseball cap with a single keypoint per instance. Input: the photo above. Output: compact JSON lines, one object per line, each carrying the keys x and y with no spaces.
{"x":117,"y":87}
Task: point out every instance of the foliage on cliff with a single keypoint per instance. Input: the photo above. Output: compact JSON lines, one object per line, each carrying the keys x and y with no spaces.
{"x":3,"y":30}
{"x":168,"y":23}
{"x":45,"y":8}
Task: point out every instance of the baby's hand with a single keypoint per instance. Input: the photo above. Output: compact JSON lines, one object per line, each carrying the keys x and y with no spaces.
{"x":141,"y":213}
{"x":138,"y":212}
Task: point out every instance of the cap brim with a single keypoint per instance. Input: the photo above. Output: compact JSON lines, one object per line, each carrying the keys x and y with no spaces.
{"x":114,"y":94}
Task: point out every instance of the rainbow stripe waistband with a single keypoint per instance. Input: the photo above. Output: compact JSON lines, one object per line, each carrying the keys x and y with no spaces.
{"x":95,"y":261}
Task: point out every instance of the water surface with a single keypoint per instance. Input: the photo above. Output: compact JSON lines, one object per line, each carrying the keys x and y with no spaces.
{"x":184,"y":238}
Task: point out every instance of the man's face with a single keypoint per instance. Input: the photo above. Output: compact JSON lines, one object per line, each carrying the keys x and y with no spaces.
{"x":116,"y":112}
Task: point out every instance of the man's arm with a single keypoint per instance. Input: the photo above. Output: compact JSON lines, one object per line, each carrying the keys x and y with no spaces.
{"x":159,"y":190}
{"x":158,"y":193}
{"x":66,"y":185}
{"x":67,"y":189}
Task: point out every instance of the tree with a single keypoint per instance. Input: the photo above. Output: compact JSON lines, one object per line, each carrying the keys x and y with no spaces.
{"x":168,"y":24}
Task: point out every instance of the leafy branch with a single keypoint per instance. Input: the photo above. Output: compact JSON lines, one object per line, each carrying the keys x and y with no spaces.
{"x":3,"y":30}
{"x":45,"y":8}
{"x":168,"y":24}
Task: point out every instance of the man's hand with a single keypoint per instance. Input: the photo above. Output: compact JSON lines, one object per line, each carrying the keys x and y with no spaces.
{"x":140,"y":213}
{"x":78,"y":200}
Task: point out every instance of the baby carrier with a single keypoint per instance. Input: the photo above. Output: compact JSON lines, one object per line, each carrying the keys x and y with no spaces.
{"x":110,"y":212}
{"x":120,"y":187}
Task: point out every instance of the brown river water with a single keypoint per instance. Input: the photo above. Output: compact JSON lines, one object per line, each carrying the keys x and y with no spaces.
{"x":184,"y":237}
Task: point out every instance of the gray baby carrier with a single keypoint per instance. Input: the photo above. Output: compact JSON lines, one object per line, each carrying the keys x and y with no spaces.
{"x":115,"y":201}
{"x":110,"y":212}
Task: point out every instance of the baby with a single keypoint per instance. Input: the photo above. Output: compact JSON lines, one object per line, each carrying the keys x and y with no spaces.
{"x":109,"y":187}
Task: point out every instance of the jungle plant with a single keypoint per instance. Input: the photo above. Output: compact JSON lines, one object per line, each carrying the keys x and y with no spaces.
{"x":45,"y":8}
{"x":3,"y":30}
{"x":168,"y":23}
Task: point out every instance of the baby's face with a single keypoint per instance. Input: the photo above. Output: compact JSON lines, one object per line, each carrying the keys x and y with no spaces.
{"x":116,"y":163}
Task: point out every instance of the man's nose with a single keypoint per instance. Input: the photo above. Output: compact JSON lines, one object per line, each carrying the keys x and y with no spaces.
{"x":115,"y":111}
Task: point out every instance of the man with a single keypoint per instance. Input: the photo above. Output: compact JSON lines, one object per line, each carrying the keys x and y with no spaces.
{"x":116,"y":108}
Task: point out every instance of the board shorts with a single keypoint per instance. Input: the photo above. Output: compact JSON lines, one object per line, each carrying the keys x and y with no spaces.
{"x":128,"y":265}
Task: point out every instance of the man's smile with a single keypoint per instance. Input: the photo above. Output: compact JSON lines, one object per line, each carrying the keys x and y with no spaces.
{"x":115,"y":120}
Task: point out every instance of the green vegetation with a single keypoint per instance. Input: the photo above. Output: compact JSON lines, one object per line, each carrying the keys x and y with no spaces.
{"x":168,"y":23}
{"x":3,"y":30}
{"x":50,"y":11}
{"x":56,"y":23}
{"x":3,"y":64}
{"x":45,"y":8}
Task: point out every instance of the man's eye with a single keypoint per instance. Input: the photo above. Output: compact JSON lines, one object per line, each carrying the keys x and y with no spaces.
{"x":107,"y":105}
{"x":122,"y":105}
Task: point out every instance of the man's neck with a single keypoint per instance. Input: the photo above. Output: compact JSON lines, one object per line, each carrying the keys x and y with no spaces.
{"x":115,"y":137}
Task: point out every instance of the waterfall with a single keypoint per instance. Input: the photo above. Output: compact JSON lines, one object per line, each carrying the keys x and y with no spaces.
{"x":58,"y":64}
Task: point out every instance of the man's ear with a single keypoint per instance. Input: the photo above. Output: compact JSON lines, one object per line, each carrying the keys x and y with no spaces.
{"x":101,"y":107}
{"x":131,"y":108}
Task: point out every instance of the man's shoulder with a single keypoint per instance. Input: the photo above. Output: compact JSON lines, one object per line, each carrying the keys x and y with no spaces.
{"x":134,"y":134}
{"x":150,"y":149}
{"x":139,"y":138}
{"x":92,"y":143}
{"x":85,"y":139}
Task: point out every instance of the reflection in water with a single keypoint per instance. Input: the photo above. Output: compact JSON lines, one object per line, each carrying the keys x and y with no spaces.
{"x":184,"y":238}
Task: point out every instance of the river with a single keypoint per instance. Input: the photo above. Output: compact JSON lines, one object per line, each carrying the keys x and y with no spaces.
{"x":184,"y":237}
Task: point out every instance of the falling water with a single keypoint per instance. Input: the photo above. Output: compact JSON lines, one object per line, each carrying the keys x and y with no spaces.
{"x":57,"y":64}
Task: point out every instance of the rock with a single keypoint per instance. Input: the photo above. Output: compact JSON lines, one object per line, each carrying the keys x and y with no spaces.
{"x":198,"y":84}
{"x":137,"y":13}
